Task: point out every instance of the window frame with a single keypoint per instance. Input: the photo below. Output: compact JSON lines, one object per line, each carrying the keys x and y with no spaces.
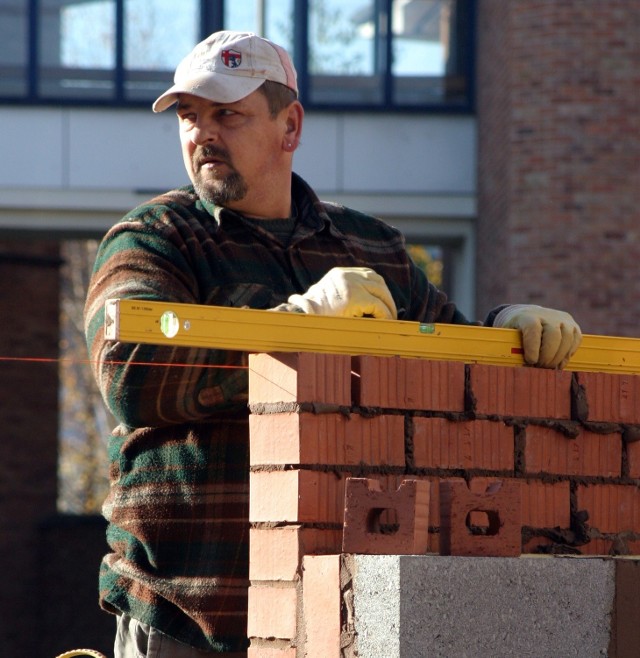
{"x":211,"y":19}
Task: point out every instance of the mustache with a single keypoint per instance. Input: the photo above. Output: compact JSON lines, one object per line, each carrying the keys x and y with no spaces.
{"x":207,"y":152}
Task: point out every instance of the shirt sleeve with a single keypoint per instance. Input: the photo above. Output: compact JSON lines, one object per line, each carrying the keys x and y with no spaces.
{"x":149,"y":385}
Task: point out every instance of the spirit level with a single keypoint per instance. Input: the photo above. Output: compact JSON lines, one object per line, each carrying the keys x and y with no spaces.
{"x":250,"y":330}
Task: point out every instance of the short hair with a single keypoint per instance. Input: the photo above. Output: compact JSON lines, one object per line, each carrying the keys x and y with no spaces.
{"x":278,"y":96}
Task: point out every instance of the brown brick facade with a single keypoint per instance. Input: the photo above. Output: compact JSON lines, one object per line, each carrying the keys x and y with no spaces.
{"x":559,"y":158}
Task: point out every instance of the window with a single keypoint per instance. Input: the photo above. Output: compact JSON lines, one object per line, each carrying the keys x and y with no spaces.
{"x":14,"y":54}
{"x":361,"y":54}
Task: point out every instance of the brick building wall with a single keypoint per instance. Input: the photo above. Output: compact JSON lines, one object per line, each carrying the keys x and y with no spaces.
{"x":29,"y":426}
{"x":558,"y":99}
{"x":565,"y":443}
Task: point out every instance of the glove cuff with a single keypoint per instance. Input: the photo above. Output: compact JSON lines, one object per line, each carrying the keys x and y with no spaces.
{"x":506,"y":314}
{"x":304,"y":303}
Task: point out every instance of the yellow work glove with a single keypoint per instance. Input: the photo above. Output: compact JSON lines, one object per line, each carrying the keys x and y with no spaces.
{"x":549,"y":337}
{"x":351,"y":292}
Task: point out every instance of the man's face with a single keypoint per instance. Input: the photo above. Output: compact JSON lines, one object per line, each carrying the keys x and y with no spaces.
{"x":230,"y":149}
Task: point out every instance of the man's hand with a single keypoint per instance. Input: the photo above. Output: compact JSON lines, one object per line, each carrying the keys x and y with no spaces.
{"x":549,"y":337}
{"x":352,"y":292}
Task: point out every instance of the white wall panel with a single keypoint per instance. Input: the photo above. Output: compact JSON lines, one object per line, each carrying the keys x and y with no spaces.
{"x":71,"y":148}
{"x":32,"y":149}
{"x":319,"y":157}
{"x":409,"y":154}
{"x":129,"y":150}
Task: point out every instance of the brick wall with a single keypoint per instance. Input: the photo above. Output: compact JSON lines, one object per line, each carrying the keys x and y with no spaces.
{"x":567,"y":441}
{"x":29,"y":310}
{"x":558,"y":98}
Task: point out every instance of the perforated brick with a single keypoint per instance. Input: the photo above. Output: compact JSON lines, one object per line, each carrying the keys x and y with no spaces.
{"x":364,"y":503}
{"x":501,"y":503}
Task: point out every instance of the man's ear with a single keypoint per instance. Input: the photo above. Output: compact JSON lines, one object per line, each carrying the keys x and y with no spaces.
{"x":293,"y":123}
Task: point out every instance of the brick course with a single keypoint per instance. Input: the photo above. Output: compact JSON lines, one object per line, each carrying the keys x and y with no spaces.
{"x":575,"y":477}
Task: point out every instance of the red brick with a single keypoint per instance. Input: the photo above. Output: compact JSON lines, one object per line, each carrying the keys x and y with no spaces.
{"x":501,"y":501}
{"x":257,"y":651}
{"x":612,"y":508}
{"x":399,"y":383}
{"x":292,"y":438}
{"x":276,"y":553}
{"x":296,"y":497}
{"x":612,"y":398}
{"x":321,"y":596}
{"x":546,"y":504}
{"x":526,"y":392}
{"x":550,"y":451}
{"x":441,"y":443}
{"x":597,"y":546}
{"x":365,"y":499}
{"x":300,"y":377}
{"x":272,"y":612}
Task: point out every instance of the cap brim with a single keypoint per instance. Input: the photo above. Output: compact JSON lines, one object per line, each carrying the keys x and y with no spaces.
{"x":218,"y":88}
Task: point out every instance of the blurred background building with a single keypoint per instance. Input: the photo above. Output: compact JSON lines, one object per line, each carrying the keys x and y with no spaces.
{"x":503,"y":138}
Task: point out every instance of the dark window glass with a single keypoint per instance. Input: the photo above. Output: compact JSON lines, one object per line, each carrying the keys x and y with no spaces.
{"x":270,"y":18}
{"x":157,"y":35}
{"x":430,"y":52}
{"x":360,"y":54}
{"x":76,"y":47}
{"x":425,"y":62}
{"x":345,"y":53}
{"x":14,"y":50}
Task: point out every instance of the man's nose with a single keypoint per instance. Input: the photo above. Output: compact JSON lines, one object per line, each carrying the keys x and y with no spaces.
{"x":204,"y":132}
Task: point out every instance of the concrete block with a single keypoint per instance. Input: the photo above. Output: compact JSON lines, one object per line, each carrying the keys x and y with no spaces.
{"x":542,"y":607}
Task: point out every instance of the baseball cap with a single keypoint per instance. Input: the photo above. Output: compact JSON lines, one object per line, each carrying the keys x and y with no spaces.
{"x":228,"y":66}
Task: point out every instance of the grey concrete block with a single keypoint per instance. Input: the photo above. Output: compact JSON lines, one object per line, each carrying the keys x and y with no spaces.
{"x":468,"y":607}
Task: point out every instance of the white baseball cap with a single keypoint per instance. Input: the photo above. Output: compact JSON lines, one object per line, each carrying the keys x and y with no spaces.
{"x":228,"y":66}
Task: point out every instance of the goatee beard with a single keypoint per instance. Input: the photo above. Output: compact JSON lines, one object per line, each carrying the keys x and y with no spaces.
{"x":218,"y":191}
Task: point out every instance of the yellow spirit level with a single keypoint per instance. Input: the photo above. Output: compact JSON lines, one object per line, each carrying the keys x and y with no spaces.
{"x":250,"y":330}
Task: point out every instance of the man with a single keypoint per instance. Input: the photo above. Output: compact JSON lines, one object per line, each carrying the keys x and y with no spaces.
{"x":247,"y":232}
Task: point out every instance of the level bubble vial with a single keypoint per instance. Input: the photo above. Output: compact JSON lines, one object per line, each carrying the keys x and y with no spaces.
{"x":169,"y":324}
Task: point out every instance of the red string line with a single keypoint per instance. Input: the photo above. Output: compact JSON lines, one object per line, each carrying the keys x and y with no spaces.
{"x":33,"y":359}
